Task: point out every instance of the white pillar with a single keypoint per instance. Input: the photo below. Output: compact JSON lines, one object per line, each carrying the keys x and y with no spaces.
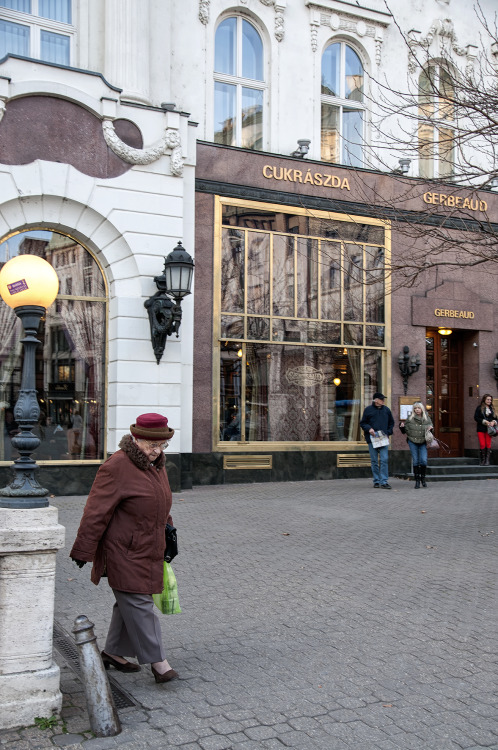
{"x":127,"y":47}
{"x":29,"y":678}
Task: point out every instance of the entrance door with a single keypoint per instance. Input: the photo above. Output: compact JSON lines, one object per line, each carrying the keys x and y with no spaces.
{"x":444,"y":389}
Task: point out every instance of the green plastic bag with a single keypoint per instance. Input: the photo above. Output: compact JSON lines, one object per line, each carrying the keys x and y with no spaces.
{"x":167,"y":601}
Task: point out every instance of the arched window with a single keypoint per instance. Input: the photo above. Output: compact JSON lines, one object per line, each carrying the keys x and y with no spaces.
{"x":70,"y":361}
{"x":343,"y":110}
{"x":239,"y":85}
{"x":436,"y":147}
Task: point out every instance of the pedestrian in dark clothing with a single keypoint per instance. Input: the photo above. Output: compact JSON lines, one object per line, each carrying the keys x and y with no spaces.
{"x":378,"y":418}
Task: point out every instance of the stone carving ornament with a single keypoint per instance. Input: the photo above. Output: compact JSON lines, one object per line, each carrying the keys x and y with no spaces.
{"x":170,"y":141}
{"x":442,"y":38}
{"x":279,"y":6}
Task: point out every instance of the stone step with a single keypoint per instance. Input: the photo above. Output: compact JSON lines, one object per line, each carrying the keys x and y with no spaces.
{"x":457,"y":477}
{"x":454,"y":460}
{"x":461,"y":469}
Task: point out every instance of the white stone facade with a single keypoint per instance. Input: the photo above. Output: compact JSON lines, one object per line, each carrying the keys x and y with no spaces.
{"x":148,"y":53}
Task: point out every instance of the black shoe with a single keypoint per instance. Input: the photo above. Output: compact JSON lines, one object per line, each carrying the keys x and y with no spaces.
{"x":126,"y":667}
{"x":171,"y":674}
{"x":385,"y":487}
{"x":376,"y":485}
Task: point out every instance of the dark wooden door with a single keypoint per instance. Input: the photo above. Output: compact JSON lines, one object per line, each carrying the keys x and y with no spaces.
{"x":444,"y":389}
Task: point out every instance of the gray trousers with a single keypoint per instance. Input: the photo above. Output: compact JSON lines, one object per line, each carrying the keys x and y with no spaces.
{"x":135,"y":630}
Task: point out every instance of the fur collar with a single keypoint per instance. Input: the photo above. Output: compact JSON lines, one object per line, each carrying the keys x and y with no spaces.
{"x":139,"y":458}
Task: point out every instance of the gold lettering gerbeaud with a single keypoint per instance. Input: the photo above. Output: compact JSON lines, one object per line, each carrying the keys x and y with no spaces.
{"x":271,"y":172}
{"x":441,"y":313}
{"x":455,"y":201}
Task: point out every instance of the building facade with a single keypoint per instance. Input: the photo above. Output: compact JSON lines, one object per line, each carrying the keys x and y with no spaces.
{"x":266,"y":136}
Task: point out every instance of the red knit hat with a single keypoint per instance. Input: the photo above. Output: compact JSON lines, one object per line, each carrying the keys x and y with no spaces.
{"x":152,"y":427}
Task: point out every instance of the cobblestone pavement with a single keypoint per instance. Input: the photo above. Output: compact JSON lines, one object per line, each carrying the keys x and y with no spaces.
{"x":315,"y":615}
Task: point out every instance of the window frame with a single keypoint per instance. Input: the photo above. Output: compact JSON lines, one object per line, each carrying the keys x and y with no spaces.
{"x":341,"y":103}
{"x":437,"y":125}
{"x":249,"y":446}
{"x":240,"y":82}
{"x":37,"y":24}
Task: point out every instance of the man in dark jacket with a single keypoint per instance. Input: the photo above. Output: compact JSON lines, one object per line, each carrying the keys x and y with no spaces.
{"x":378,"y":418}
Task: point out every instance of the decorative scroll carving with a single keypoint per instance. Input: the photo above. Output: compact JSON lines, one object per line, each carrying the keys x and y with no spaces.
{"x":279,"y":6}
{"x":352,"y":24}
{"x":204,"y":11}
{"x":442,"y":38}
{"x":170,"y":141}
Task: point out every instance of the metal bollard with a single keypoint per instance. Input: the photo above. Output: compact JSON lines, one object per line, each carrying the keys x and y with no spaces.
{"x":103,"y":716}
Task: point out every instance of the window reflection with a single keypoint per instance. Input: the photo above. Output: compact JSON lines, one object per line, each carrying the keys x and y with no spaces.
{"x":70,"y":361}
{"x":291,"y":367}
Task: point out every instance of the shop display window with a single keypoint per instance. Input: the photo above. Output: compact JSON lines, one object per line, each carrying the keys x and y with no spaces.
{"x":70,"y":360}
{"x":302,"y":325}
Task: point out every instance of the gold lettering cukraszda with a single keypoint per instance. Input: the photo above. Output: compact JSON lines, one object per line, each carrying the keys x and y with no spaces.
{"x":305,"y":177}
{"x":453,"y":313}
{"x":455,"y":201}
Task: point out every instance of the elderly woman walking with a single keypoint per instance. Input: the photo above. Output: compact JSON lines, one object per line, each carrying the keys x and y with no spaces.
{"x":122,"y":532}
{"x":415,"y":428}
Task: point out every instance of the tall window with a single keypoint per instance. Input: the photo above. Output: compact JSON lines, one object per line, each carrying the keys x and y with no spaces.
{"x":343,"y":111}
{"x":70,"y":362}
{"x":302,"y":325}
{"x":436,"y":122}
{"x":239,"y":86}
{"x":37,"y":28}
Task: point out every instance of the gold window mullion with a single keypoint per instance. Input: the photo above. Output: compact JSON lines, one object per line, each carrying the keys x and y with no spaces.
{"x":319,"y":279}
{"x":295,"y":275}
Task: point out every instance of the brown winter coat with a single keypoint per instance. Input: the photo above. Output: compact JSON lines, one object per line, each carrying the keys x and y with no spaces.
{"x":122,"y":529}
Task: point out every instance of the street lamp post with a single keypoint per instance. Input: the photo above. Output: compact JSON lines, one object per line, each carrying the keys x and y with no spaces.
{"x":29,"y":533}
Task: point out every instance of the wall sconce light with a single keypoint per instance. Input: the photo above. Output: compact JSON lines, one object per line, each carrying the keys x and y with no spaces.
{"x":303,"y":146}
{"x":404,"y":166}
{"x":407,"y":365}
{"x":165,"y":314}
{"x":336,"y":381}
{"x":495,"y":367}
{"x":445,"y":331}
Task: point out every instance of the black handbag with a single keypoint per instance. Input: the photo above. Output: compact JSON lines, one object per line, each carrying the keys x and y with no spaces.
{"x":171,"y":550}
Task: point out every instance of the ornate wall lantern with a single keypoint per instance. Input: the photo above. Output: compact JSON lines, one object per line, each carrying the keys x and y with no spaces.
{"x":29,"y":285}
{"x":165,"y":314}
{"x":407,"y":365}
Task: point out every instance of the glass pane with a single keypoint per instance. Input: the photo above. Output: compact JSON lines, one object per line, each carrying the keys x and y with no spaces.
{"x":22,"y":5}
{"x":446,"y":95}
{"x":258,"y":273}
{"x":353,"y":335}
{"x":232,"y":327}
{"x":14,"y":39}
{"x":353,"y":278}
{"x":225,"y":47}
{"x":291,"y":395}
{"x":426,"y":150}
{"x":258,"y":328}
{"x":230,"y":384}
{"x":426,"y":92}
{"x":232,"y":270}
{"x":307,"y":277}
{"x":446,"y":152}
{"x":372,"y":374}
{"x":324,"y":333}
{"x":252,"y":119}
{"x":330,"y":133}
{"x":224,"y":113}
{"x":330,"y":70}
{"x":252,"y":52}
{"x":353,"y":85}
{"x":57,"y":10}
{"x":330,"y":280}
{"x":375,"y":288}
{"x":352,"y":142}
{"x":54,"y":48}
{"x":374,"y":335}
{"x":283,"y":275}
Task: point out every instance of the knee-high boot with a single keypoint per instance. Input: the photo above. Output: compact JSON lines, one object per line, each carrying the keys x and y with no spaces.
{"x":416,"y":472}
{"x":487,"y":458}
{"x":422,"y":476}
{"x":482,"y":457}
